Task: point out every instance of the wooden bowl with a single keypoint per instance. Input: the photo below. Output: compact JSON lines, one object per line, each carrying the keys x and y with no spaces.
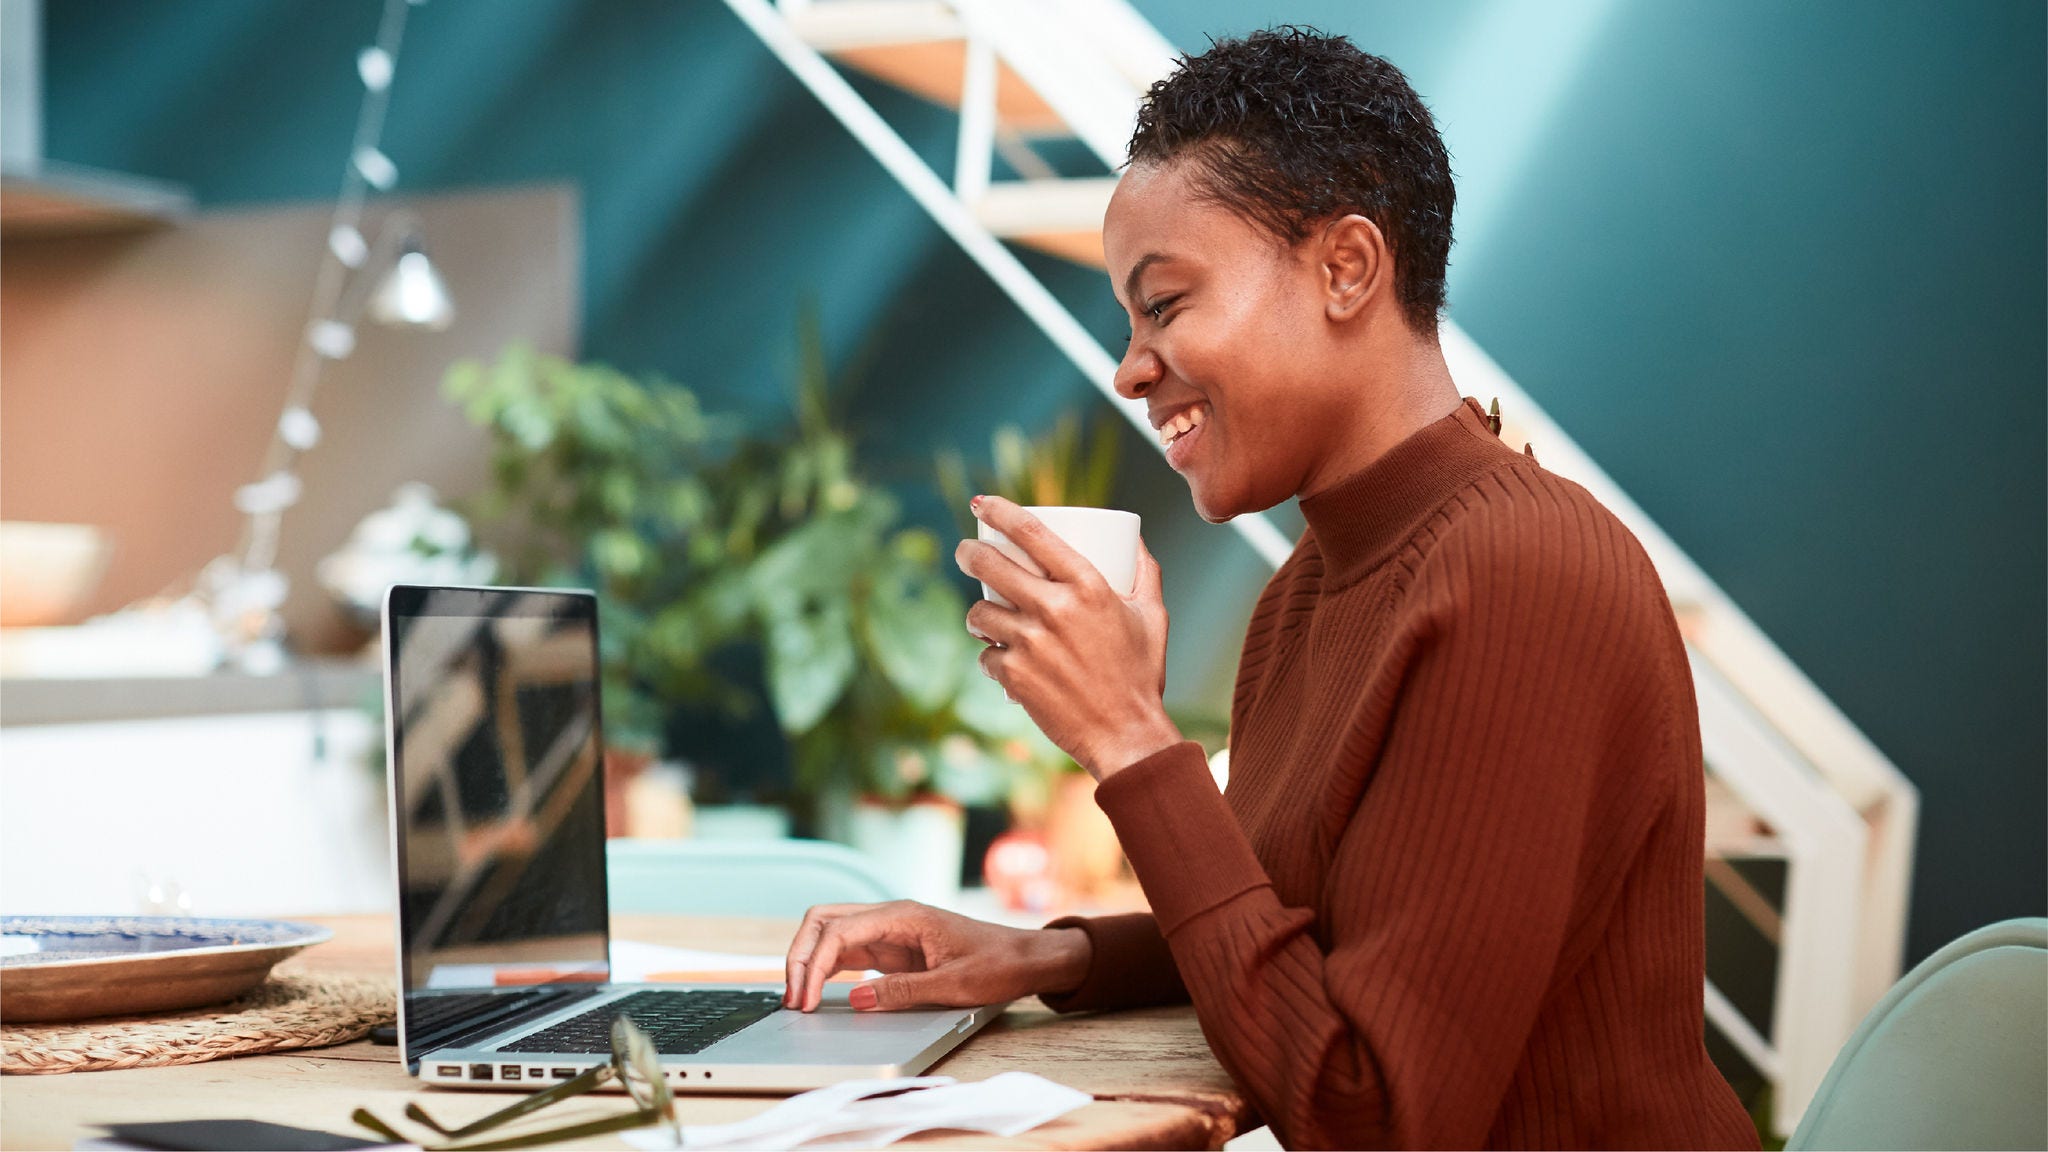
{"x":86,"y":966}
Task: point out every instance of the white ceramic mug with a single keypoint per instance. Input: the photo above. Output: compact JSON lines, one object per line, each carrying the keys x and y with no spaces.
{"x":1106,"y":536}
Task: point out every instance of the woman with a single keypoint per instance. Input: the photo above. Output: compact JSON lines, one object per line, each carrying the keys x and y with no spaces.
{"x":1453,"y":895}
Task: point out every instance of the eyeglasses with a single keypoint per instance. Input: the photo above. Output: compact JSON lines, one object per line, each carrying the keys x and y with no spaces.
{"x":634,"y":1064}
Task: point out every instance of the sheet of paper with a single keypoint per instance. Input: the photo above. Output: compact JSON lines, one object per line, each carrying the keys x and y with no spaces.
{"x":637,"y":962}
{"x":870,"y":1113}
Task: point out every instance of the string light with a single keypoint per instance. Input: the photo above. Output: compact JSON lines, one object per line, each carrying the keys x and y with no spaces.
{"x":348,"y":245}
{"x":297,"y":427}
{"x":244,"y":590}
{"x":377,"y":168}
{"x":374,"y":66}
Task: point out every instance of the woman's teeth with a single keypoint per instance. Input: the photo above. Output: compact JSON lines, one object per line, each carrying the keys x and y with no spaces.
{"x":1179,"y":426}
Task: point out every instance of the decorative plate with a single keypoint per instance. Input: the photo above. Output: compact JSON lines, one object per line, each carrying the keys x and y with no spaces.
{"x":75,"y":967}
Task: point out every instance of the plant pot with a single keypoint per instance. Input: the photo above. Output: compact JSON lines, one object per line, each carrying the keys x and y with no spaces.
{"x":1086,"y":856}
{"x":621,"y":767}
{"x":918,"y":846}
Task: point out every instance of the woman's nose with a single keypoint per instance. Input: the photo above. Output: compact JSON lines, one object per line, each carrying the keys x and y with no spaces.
{"x":1138,"y":372}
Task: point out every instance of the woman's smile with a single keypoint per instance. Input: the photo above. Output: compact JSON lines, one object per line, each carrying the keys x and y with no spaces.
{"x":1182,"y":436}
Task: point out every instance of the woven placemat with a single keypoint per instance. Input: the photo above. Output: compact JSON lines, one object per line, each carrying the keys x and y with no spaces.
{"x":291,"y":1011}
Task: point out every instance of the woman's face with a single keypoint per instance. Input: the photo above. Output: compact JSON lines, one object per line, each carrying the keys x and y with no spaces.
{"x":1229,"y":343}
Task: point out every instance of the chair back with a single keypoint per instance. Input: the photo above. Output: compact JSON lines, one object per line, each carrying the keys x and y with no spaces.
{"x":1954,"y":1056}
{"x":779,"y":878}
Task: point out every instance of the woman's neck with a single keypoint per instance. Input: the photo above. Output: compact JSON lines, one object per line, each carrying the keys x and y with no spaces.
{"x":1405,"y":386}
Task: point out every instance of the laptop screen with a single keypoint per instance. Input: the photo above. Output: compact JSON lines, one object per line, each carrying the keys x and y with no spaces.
{"x":497,"y":788}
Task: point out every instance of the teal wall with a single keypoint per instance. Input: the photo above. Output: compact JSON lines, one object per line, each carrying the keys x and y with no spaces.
{"x":1779,"y":268}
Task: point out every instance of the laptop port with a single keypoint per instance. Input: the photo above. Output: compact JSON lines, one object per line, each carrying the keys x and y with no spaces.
{"x":509,"y":1072}
{"x":562,"y":1073}
{"x":480,"y":1071}
{"x":535,"y":1073}
{"x":454,"y":1070}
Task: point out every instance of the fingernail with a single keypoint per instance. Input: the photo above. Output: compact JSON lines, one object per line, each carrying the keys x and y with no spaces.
{"x":862,"y":997}
{"x":975,"y":504}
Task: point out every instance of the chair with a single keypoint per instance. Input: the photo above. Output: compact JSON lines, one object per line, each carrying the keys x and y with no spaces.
{"x":1954,"y":1056}
{"x":738,"y":877}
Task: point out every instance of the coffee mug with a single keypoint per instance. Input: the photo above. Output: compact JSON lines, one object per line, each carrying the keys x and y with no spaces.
{"x":1106,"y":536}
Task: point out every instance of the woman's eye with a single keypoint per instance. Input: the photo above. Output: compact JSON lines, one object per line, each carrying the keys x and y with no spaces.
{"x":1158,"y":308}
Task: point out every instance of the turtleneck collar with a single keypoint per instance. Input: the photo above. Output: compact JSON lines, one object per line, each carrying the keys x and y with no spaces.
{"x":1359,"y":521}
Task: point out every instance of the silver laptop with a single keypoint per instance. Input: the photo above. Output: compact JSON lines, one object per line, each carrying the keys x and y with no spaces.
{"x":497,"y":808}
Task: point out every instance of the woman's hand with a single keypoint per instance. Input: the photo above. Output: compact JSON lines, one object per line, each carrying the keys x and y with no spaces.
{"x":933,"y":958}
{"x":1086,"y":662}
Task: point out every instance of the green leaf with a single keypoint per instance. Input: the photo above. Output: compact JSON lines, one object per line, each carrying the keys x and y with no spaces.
{"x":617,"y":552}
{"x":964,"y":772}
{"x":1013,"y":463}
{"x":811,"y":660}
{"x":951,"y":467}
{"x":812,"y":560}
{"x":916,"y":630}
{"x":895,"y":770}
{"x":813,"y":377}
{"x":982,"y":706}
{"x":751,"y":507}
{"x":1099,"y":475}
{"x":617,"y":493}
{"x":916,"y":546}
{"x":528,"y":422}
{"x":689,"y":503}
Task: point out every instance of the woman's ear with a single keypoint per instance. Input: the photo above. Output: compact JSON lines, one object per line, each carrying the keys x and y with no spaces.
{"x":1357,"y":266}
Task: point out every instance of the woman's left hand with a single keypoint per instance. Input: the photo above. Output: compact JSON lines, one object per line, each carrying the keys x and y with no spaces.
{"x":1087,"y":662}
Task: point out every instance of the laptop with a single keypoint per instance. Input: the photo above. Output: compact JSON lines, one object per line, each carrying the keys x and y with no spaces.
{"x":494,"y":746}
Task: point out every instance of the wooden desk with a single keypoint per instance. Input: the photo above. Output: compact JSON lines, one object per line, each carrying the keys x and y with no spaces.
{"x":1155,"y":1083}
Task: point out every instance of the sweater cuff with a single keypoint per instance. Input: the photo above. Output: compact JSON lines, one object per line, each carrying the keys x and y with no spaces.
{"x":1129,"y":965}
{"x":1183,"y":840}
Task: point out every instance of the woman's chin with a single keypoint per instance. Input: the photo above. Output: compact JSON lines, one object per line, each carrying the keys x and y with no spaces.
{"x":1210,"y":504}
{"x":1219,"y":504}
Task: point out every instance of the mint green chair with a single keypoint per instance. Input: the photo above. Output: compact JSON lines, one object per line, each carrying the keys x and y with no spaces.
{"x":738,"y":877}
{"x":1954,"y":1056}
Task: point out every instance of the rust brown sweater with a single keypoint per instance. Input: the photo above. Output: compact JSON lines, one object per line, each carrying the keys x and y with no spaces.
{"x":1453,"y":895}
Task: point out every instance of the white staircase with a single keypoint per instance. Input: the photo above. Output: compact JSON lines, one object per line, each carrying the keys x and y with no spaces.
{"x":1790,"y":777}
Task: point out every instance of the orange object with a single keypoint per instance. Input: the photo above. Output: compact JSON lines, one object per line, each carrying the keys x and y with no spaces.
{"x":1018,"y":868}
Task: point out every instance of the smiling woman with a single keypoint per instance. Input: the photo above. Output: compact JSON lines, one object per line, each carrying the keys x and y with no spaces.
{"x":1452,"y":897}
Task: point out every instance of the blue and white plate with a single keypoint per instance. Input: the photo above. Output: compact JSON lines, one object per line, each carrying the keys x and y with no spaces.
{"x":76,"y":967}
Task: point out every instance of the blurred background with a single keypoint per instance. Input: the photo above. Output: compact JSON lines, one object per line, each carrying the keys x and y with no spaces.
{"x":1777,"y":269}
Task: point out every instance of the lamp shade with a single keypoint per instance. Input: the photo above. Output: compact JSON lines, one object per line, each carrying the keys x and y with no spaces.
{"x":411,"y":295}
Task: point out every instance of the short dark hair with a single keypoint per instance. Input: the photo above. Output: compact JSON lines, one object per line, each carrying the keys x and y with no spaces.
{"x":1289,"y":128}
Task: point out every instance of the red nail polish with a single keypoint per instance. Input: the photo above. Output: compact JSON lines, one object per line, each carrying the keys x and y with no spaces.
{"x":976,"y":502}
{"x":862,"y":997}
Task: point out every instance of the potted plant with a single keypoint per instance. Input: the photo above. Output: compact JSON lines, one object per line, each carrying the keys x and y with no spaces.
{"x":699,"y":539}
{"x":869,"y":668}
{"x":1074,"y":463}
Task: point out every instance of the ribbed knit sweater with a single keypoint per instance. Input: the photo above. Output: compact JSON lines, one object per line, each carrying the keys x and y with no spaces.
{"x":1452,"y":897}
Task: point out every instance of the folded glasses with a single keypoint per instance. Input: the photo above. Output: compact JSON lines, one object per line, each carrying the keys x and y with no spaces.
{"x":634,"y":1064}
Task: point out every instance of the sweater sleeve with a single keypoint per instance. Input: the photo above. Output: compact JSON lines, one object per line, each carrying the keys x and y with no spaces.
{"x":1129,"y":965}
{"x":1395,"y":1014}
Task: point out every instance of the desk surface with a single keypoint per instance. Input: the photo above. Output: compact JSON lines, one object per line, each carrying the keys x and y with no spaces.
{"x":1155,"y":1083}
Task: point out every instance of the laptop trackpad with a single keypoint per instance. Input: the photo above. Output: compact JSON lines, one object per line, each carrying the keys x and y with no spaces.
{"x":842,"y":1036}
{"x":845,"y":1021}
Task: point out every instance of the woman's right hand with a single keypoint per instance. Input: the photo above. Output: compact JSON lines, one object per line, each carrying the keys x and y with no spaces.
{"x":930,"y":958}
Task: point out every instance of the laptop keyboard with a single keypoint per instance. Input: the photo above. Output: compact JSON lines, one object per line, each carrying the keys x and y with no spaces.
{"x":447,"y":1021}
{"x":678,"y":1023}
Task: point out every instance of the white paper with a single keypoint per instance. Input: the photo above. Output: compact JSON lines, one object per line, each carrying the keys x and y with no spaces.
{"x":871,"y":1113}
{"x":634,"y":961}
